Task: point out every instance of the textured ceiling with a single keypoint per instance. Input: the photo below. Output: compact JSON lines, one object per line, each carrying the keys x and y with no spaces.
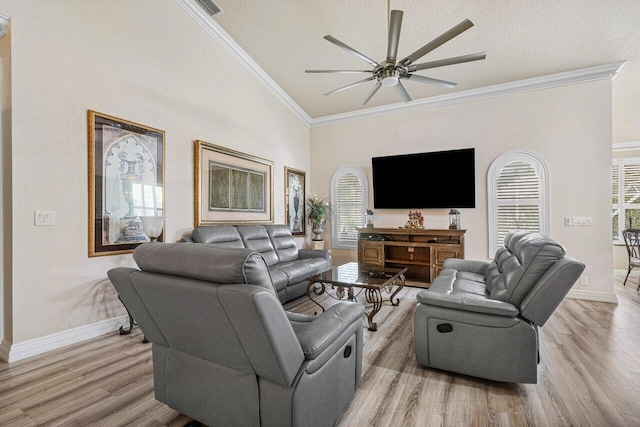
{"x":523,"y":39}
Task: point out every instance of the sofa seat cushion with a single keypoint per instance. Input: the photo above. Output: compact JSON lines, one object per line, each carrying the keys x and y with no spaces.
{"x":279,"y":279}
{"x":474,"y":277}
{"x":464,"y":291}
{"x":451,"y":281}
{"x":296,"y":271}
{"x":317,"y":265}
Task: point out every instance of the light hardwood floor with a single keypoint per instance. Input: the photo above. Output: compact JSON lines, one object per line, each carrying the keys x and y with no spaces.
{"x":589,"y":375}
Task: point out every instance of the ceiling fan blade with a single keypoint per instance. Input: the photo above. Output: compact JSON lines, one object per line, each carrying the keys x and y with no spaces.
{"x":351,"y":50}
{"x":373,"y":92}
{"x":394,"y":35}
{"x":403,"y":92}
{"x":339,"y":71}
{"x":349,"y":86}
{"x":449,"y":61}
{"x":438,"y":41}
{"x":431,"y":81}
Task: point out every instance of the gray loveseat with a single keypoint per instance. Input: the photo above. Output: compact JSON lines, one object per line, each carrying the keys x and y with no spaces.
{"x":481,"y":319}
{"x":288,"y":265}
{"x":225,"y":352}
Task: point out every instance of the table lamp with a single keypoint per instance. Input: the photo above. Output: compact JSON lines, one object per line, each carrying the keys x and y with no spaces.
{"x":152,"y":226}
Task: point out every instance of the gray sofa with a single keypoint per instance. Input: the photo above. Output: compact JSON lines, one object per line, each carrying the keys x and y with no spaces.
{"x":224,"y":350}
{"x":481,"y":319}
{"x":288,"y":265}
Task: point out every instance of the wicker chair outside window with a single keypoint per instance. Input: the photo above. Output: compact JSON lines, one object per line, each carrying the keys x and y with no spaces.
{"x":632,"y":242}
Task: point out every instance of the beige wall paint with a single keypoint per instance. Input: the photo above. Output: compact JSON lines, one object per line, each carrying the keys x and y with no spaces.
{"x":146,"y":61}
{"x":570,"y":127}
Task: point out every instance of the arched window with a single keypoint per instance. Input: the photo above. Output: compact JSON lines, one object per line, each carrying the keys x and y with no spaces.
{"x":518,"y":193}
{"x":349,"y":197}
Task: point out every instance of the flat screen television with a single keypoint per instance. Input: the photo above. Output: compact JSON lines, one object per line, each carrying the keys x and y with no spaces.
{"x":439,"y":179}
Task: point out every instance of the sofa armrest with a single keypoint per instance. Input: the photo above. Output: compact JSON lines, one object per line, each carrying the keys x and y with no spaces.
{"x":472,"y":266}
{"x":314,"y":253}
{"x":321,"y":332}
{"x":467,"y":303}
{"x":299,"y":317}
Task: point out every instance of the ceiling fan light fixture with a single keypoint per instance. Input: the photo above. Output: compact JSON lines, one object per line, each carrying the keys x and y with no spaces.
{"x":389,"y":77}
{"x":389,"y":72}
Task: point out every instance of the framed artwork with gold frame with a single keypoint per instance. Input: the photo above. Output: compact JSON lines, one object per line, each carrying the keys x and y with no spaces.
{"x":231,"y":187}
{"x":126,"y":180}
{"x":294,"y":200}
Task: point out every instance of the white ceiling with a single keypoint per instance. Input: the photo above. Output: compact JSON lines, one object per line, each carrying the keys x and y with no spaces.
{"x":524,"y":39}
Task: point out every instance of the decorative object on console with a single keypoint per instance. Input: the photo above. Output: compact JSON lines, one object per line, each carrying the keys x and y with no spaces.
{"x":415,"y":220}
{"x":126,"y":179}
{"x":319,"y":208}
{"x":152,"y":226}
{"x":454,"y":219}
{"x":389,"y":72}
{"x":294,"y":196}
{"x":231,"y":187}
{"x":369,"y":218}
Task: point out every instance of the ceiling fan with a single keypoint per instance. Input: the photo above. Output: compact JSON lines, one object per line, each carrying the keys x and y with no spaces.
{"x":391,"y":71}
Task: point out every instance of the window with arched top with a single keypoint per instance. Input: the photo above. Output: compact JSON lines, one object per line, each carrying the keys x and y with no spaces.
{"x":518,"y":195}
{"x":349,"y":197}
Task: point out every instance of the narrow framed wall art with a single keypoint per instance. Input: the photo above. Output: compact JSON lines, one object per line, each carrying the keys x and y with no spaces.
{"x":126,"y":180}
{"x":295,"y":197}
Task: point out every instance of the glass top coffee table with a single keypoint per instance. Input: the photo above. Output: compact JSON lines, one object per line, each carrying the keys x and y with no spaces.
{"x":339,"y":283}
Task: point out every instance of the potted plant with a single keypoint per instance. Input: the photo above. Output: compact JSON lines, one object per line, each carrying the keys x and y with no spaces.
{"x":318,"y":209}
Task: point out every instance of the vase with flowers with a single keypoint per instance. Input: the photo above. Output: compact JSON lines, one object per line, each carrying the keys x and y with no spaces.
{"x":318,"y":209}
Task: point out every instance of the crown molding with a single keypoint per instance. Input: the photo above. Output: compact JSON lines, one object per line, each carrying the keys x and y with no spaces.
{"x":598,"y":72}
{"x":216,"y":31}
{"x":623,"y":146}
{"x":605,"y":71}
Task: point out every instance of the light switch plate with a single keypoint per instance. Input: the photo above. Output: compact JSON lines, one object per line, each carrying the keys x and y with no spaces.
{"x":582,"y":220}
{"x":45,"y":218}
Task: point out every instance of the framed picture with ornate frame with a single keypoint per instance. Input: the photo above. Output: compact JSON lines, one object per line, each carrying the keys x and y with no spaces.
{"x":295,"y":196}
{"x":126,"y":180}
{"x":231,"y":187}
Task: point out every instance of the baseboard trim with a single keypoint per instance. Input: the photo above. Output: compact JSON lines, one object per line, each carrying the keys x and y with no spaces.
{"x":22,"y":350}
{"x":592,"y":295}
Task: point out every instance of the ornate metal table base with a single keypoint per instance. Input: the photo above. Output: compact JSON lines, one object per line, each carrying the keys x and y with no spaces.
{"x":372,"y":293}
{"x":132,"y":323}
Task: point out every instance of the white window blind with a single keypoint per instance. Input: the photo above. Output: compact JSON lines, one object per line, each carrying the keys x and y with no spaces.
{"x":518,"y":195}
{"x":625,"y":187}
{"x":348,"y":207}
{"x":349,"y":199}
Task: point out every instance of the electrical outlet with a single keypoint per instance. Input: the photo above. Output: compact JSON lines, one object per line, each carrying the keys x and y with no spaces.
{"x":567,"y":221}
{"x":584,"y":280}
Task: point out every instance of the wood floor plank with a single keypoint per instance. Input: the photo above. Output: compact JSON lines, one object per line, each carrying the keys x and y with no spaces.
{"x":589,"y":375}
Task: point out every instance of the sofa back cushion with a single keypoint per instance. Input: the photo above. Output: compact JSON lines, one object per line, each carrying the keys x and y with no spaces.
{"x":203,"y":262}
{"x":520,"y":264}
{"x":283,"y":242}
{"x":220,"y":235}
{"x":255,"y":237}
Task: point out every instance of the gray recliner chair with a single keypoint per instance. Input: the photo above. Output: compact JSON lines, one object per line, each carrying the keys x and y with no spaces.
{"x":225,"y":352}
{"x":481,"y":319}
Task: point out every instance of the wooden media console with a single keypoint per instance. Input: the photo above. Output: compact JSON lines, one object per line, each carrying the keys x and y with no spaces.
{"x":422,"y":251}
